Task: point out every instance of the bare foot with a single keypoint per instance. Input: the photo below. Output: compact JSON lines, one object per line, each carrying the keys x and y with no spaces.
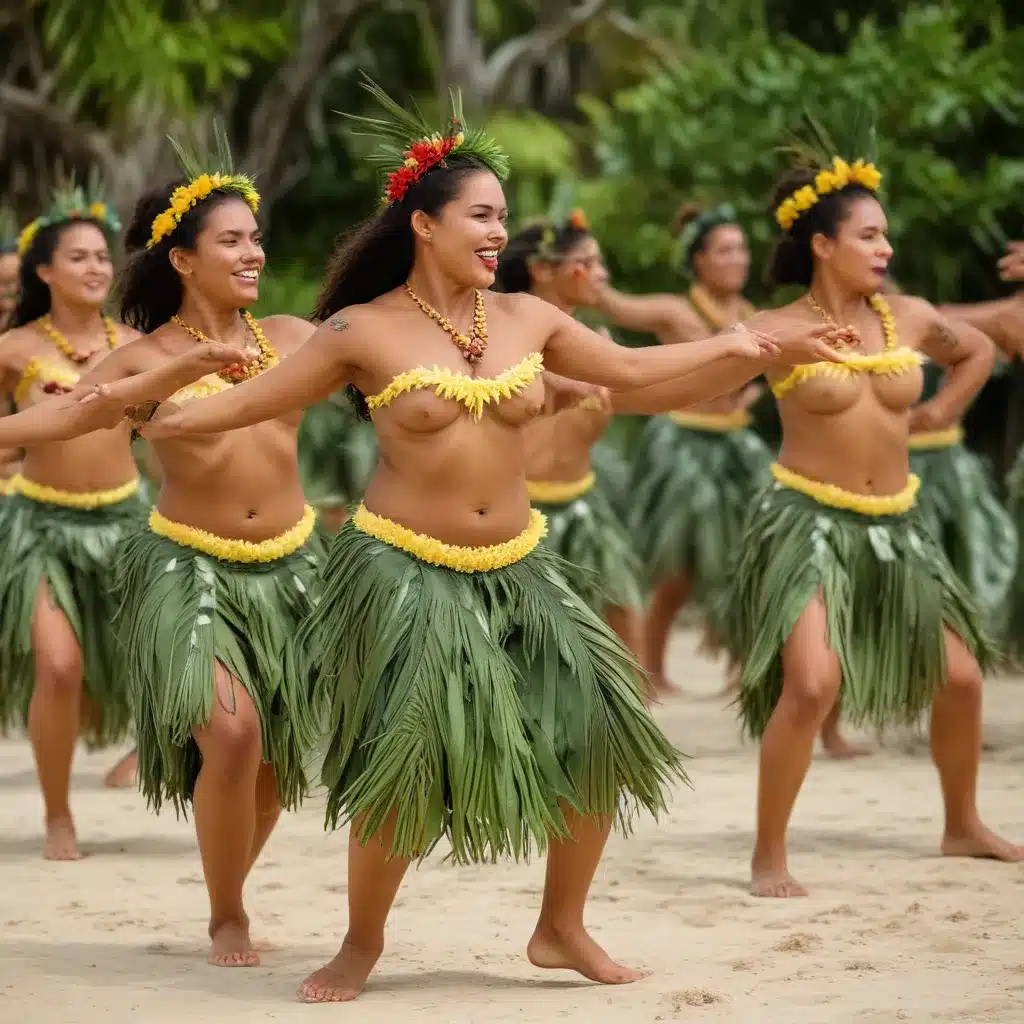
{"x":61,"y":843}
{"x":575,"y":950}
{"x":230,"y":945}
{"x":341,"y":980}
{"x":841,"y":749}
{"x":122,"y":775}
{"x":980,"y":842}
{"x":773,"y":880}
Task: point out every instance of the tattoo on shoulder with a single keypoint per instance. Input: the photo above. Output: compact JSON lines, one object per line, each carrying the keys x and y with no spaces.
{"x":946,"y":338}
{"x":337,"y":323}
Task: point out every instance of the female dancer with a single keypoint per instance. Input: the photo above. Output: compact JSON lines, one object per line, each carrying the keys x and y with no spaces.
{"x":70,"y":505}
{"x":10,"y":261}
{"x":561,"y":263}
{"x":697,"y":468}
{"x":840,"y":587}
{"x":211,"y":595}
{"x":472,"y":695}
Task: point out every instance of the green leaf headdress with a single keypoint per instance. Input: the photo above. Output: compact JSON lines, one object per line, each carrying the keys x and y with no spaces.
{"x":73,"y":202}
{"x":408,"y":148}
{"x":561,"y":214}
{"x":813,"y":147}
{"x":206,"y":174}
{"x":8,"y":231}
{"x":697,"y":229}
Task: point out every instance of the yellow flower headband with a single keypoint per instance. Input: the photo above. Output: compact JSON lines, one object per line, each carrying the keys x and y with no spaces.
{"x":838,"y":176}
{"x":184,"y":197}
{"x":94,"y":211}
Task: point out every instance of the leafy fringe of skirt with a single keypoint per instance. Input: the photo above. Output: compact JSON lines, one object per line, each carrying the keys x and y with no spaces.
{"x":1013,"y":624}
{"x":959,"y":506}
{"x":73,"y":551}
{"x":691,"y":492}
{"x":180,"y":612}
{"x":888,"y":591}
{"x":588,"y":534}
{"x":474,"y":704}
{"x":614,"y":476}
{"x":337,"y":454}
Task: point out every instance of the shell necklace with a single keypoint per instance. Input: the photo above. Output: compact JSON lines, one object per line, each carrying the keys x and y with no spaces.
{"x":238,"y":372}
{"x":879,"y":305}
{"x":65,"y":346}
{"x":473,"y":346}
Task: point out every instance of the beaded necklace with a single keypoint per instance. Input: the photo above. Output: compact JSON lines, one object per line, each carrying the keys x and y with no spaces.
{"x":238,"y":372}
{"x":472,"y":346}
{"x":879,"y":305}
{"x":64,"y":346}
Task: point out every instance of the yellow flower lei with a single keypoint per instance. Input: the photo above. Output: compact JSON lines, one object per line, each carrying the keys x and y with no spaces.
{"x":832,"y":179}
{"x":231,"y":550}
{"x":711,"y":422}
{"x":839,"y":497}
{"x":184,"y":197}
{"x":559,"y":492}
{"x":47,"y":495}
{"x":452,"y":556}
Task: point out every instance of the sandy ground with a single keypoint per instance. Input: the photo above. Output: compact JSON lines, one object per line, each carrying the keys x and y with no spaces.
{"x":890,"y":933}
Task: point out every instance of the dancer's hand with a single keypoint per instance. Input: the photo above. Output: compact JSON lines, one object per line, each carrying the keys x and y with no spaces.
{"x":745,"y":343}
{"x":1011,"y":266}
{"x":929,"y":416}
{"x":821,"y":344}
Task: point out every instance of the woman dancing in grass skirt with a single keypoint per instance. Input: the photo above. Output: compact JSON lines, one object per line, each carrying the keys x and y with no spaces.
{"x":10,"y":262}
{"x":696,"y":469}
{"x":471,"y":696}
{"x":841,"y":591}
{"x":560,"y":262}
{"x":212,"y":594}
{"x":69,"y":505}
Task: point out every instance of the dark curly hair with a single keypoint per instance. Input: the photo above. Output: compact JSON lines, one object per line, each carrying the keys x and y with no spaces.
{"x":151,"y":289}
{"x":377,"y":257}
{"x":792,"y":260}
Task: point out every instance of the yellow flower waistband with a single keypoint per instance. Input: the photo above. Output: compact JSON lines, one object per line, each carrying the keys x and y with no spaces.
{"x":70,"y":499}
{"x":928,"y":439}
{"x":712,"y":422}
{"x":452,"y":556}
{"x":230,"y":550}
{"x":836,"y":497}
{"x":558,"y":492}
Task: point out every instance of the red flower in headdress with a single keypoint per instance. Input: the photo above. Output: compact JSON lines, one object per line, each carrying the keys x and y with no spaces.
{"x":419,"y":158}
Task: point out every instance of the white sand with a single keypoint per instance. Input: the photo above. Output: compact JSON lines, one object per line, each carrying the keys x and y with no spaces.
{"x":890,"y":933}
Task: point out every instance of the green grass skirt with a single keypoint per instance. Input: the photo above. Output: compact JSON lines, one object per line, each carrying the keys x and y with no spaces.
{"x":690,"y":494}
{"x":472,"y":704}
{"x":588,"y":534}
{"x":73,"y":550}
{"x":1013,"y":624}
{"x":959,"y":506}
{"x":614,"y":476}
{"x":179,"y":612}
{"x":337,"y":454}
{"x":888,"y":590}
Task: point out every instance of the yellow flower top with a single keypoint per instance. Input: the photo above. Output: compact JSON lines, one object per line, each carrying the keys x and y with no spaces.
{"x":473,"y":392}
{"x":184,"y":197}
{"x":55,"y":379}
{"x":211,"y":384}
{"x":452,"y":556}
{"x":831,"y":179}
{"x":228,"y":549}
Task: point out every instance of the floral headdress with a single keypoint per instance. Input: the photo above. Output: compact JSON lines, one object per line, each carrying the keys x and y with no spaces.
{"x":697,"y":229}
{"x":817,"y":151}
{"x":72,"y":202}
{"x":561,"y":214}
{"x":8,"y":231}
{"x":408,"y":147}
{"x":202,"y":182}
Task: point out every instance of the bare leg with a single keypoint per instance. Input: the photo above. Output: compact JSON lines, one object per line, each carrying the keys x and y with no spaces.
{"x":835,"y":744}
{"x":373,"y":881}
{"x":561,"y":940}
{"x":666,"y":600}
{"x":225,"y":816}
{"x":627,"y":625}
{"x":268,"y":810}
{"x":53,"y":720}
{"x":956,"y":751}
{"x":811,"y":686}
{"x":122,"y":775}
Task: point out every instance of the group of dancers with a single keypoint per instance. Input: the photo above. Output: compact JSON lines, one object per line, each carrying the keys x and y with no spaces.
{"x":466,"y":645}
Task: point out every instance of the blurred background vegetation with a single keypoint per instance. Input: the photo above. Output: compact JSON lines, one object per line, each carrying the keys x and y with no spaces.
{"x":645,"y":103}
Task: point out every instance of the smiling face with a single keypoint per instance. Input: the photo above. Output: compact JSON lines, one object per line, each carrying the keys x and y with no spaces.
{"x":80,"y":271}
{"x":723,"y":263}
{"x":228,"y":257}
{"x":859,"y":255}
{"x":467,"y":234}
{"x":9,"y":264}
{"x":578,"y":277}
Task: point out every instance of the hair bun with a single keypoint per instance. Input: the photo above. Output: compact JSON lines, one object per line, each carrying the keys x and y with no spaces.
{"x":686,"y":213}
